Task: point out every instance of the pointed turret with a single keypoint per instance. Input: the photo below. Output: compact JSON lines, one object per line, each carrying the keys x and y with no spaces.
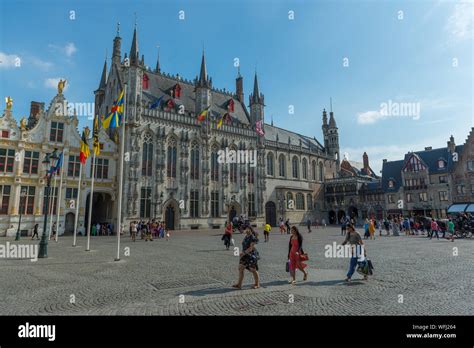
{"x":158,"y":69}
{"x":203,"y":87}
{"x":134,"y":56}
{"x":325,"y":118}
{"x":256,"y":101}
{"x":239,"y":87}
{"x":256,"y":97}
{"x":204,"y":80}
{"x":103,"y":78}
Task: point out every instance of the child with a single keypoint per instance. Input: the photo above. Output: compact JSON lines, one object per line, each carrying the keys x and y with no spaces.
{"x":266,"y":232}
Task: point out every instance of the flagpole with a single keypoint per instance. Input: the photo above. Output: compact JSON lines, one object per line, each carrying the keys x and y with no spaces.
{"x":76,"y":218}
{"x":58,"y":199}
{"x":51,"y":206}
{"x":91,"y":198}
{"x":122,"y":153}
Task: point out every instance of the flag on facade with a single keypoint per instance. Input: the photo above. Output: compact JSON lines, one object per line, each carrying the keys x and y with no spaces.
{"x":59,"y":164}
{"x":219,"y":123}
{"x":203,"y":115}
{"x":258,"y":128}
{"x":95,"y":136}
{"x":156,"y":103}
{"x":114,"y":118}
{"x":85,"y":151}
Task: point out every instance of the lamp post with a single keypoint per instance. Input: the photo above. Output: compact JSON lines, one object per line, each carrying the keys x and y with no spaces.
{"x":49,"y":163}
{"x":22,"y":196}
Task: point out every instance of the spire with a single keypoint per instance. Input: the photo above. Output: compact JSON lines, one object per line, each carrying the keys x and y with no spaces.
{"x":158,"y":69}
{"x":255,"y":88}
{"x":134,"y":49}
{"x":239,"y":86}
{"x":203,"y":71}
{"x":332,"y":121}
{"x":272,"y":120}
{"x":256,"y":97}
{"x":103,"y":79}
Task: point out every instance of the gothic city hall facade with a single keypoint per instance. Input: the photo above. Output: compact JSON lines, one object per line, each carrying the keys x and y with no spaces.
{"x":177,"y":168}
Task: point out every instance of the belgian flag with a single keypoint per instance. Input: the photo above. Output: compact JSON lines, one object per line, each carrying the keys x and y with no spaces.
{"x":85,"y":150}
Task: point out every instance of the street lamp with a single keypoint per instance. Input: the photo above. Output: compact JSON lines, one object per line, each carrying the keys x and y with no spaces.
{"x":22,"y":195}
{"x":49,"y":163}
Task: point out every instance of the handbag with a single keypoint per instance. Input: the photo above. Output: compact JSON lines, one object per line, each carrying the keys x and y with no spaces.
{"x":304,"y":257}
{"x":287,"y":266}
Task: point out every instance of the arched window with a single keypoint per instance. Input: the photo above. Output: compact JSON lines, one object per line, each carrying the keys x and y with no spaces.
{"x":214,"y":165}
{"x":313,"y":170}
{"x":270,"y":164}
{"x":147,"y":155}
{"x":171,"y":159}
{"x":321,"y":172}
{"x":281,"y":166}
{"x":195,"y":161}
{"x":305,"y":168}
{"x":299,"y":201}
{"x":233,"y":171}
{"x":294,"y":166}
{"x":309,"y":201}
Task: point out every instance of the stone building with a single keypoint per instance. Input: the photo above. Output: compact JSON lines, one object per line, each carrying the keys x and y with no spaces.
{"x":22,"y":150}
{"x":355,"y":192}
{"x":423,"y":182}
{"x":174,"y":172}
{"x":462,"y":187}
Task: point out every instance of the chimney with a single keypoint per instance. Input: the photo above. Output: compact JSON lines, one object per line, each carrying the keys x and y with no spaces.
{"x":428,"y":148}
{"x":36,"y":108}
{"x":366,"y":160}
{"x":451,"y":145}
{"x":384,"y":160}
{"x":239,"y":88}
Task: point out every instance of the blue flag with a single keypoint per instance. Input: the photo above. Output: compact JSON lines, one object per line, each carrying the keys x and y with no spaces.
{"x":156,"y":103}
{"x":59,"y":164}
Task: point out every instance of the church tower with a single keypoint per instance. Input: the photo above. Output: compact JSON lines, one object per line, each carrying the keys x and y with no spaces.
{"x":331,"y":135}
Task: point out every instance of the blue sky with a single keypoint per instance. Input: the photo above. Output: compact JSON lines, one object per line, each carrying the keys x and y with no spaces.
{"x":417,"y":52}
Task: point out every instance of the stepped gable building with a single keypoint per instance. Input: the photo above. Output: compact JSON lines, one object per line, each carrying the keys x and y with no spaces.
{"x":462,"y":187}
{"x":23,"y":148}
{"x":174,"y":172}
{"x":422,"y":183}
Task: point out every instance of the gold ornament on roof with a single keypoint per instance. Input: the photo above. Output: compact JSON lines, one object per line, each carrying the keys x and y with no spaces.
{"x":9,"y":102}
{"x":61,"y":86}
{"x":23,"y":124}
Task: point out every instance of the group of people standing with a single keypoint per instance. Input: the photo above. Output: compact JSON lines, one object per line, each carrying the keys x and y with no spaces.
{"x":99,"y":229}
{"x":148,"y":230}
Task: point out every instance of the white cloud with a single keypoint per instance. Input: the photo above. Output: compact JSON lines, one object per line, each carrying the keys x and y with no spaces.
{"x":69,"y":49}
{"x":8,"y":61}
{"x":459,"y":24}
{"x":52,"y":82}
{"x":369,"y":117}
{"x":44,"y":65}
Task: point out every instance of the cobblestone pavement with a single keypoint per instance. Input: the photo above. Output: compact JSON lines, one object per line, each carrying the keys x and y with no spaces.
{"x":195,"y":267}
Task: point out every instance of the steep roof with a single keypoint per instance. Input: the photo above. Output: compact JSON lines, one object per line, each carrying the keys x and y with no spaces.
{"x":392,"y":171}
{"x":161,"y":84}
{"x":272,"y":132}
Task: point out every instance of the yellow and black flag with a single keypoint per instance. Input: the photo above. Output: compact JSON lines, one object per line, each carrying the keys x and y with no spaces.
{"x":95,"y":136}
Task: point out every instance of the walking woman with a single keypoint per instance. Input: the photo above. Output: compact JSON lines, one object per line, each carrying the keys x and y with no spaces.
{"x":133,"y":230}
{"x":248,"y":259}
{"x":227,"y":235}
{"x":295,"y":249}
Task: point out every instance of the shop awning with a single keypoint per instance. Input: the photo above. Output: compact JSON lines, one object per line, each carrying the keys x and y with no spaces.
{"x":470,"y":208}
{"x":457,"y":208}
